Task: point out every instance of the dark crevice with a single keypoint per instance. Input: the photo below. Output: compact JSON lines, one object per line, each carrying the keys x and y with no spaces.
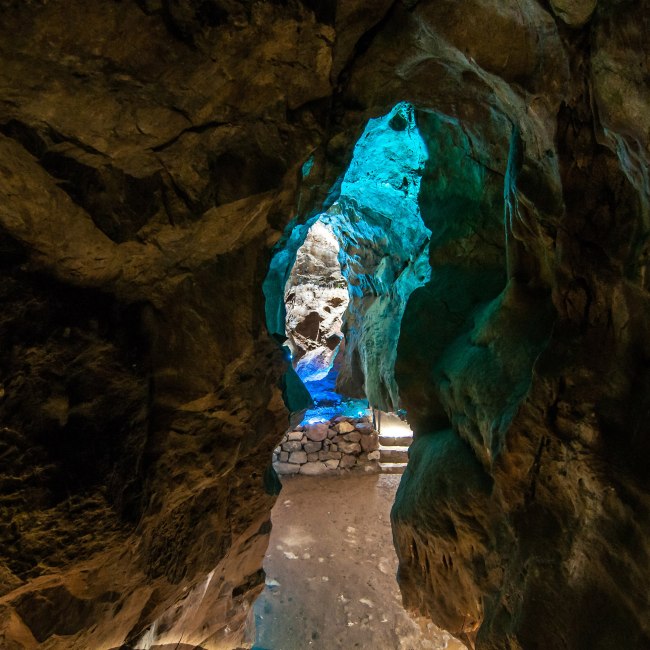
{"x":118,"y":203}
{"x":198,"y":128}
{"x":25,"y":135}
{"x":362,"y":46}
{"x":38,"y":140}
{"x":324,"y":10}
{"x":534,"y":471}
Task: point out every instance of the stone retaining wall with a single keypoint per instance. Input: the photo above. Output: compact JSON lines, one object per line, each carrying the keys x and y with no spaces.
{"x":344,"y":443}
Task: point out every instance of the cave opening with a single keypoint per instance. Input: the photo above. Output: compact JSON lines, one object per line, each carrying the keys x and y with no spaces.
{"x":418,"y":217}
{"x":336,"y":293}
{"x":338,"y":284}
{"x":316,"y":297}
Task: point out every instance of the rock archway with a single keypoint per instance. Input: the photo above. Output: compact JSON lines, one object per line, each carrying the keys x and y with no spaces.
{"x":377,"y":247}
{"x":150,"y":152}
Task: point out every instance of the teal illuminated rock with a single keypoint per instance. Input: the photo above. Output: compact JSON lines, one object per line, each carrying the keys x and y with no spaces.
{"x":383,"y":253}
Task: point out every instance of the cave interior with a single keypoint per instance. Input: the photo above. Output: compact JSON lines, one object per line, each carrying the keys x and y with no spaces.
{"x":483,"y":168}
{"x":338,"y":285}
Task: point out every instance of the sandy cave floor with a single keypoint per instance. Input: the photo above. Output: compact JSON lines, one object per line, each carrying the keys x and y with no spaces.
{"x":331,"y":571}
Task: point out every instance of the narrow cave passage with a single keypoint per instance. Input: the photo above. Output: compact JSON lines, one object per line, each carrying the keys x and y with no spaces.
{"x":316,"y":298}
{"x":371,"y":241}
{"x":150,"y":160}
{"x":336,"y":293}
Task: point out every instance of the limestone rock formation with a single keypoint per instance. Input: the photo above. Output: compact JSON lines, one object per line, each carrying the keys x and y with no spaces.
{"x":382,"y":256}
{"x":140,"y":402}
{"x":574,"y":12}
{"x":151,"y":156}
{"x":316,"y":296}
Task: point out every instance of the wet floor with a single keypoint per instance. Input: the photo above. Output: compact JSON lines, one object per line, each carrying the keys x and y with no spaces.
{"x":331,"y":571}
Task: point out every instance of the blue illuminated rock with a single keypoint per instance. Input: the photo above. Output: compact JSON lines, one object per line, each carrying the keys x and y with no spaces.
{"x":384,"y":252}
{"x":381,"y":242}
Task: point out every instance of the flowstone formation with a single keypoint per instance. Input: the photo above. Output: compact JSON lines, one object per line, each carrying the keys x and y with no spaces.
{"x":151,"y":157}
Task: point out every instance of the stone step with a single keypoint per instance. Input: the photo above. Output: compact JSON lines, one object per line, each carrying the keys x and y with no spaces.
{"x":392,"y":468}
{"x":395,"y":441}
{"x":393,"y":454}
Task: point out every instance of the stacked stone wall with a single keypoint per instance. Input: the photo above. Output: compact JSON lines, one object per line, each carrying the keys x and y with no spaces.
{"x":342,"y":444}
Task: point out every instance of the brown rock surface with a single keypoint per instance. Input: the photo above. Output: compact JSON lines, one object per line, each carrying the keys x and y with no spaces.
{"x":150,"y":157}
{"x":344,"y":427}
{"x":317,"y":432}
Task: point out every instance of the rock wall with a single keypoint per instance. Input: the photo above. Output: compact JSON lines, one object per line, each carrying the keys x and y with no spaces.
{"x":517,"y":421}
{"x":141,"y":401}
{"x":151,"y":157}
{"x":316,"y":297}
{"x":343,"y":443}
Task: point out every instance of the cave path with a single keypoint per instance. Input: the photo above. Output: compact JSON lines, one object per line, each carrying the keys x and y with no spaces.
{"x":331,"y":569}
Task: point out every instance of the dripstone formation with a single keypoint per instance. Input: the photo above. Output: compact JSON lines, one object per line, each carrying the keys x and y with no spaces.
{"x":151,"y":157}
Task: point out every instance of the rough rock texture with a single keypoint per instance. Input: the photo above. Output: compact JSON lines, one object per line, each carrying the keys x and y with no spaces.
{"x":383,"y":257}
{"x":535,"y":366}
{"x":328,"y":447}
{"x":574,"y":12}
{"x":384,"y":251}
{"x":151,"y":156}
{"x":139,"y":180}
{"x":316,"y":296}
